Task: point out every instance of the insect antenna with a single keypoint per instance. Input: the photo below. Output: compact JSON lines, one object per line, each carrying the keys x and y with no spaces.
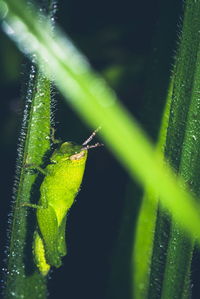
{"x":85,"y":143}
{"x":92,"y":146}
{"x":91,"y":136}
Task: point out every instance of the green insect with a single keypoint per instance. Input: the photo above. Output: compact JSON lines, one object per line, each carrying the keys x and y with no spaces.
{"x":63,"y":177}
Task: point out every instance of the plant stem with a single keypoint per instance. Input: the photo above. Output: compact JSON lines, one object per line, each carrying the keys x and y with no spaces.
{"x":22,"y":279}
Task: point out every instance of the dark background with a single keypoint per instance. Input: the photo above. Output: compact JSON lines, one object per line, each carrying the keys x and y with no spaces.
{"x":132,"y":44}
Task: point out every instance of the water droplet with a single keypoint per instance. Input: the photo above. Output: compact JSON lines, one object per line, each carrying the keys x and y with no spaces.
{"x":194,"y":137}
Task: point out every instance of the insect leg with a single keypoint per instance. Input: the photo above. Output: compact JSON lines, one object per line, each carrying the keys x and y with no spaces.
{"x":48,"y":226}
{"x":35,"y":166}
{"x":53,"y":139}
{"x":39,"y":254}
{"x":43,"y":204}
{"x":31,"y":205}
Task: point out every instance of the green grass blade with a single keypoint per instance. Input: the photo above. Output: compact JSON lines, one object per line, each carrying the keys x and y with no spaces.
{"x":180,"y":249}
{"x":21,"y":278}
{"x":170,"y":273}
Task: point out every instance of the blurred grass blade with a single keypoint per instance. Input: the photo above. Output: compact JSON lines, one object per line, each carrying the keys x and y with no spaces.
{"x":97,"y":104}
{"x":146,"y":223}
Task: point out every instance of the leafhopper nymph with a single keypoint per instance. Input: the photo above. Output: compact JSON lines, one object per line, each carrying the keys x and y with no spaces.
{"x":61,"y":183}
